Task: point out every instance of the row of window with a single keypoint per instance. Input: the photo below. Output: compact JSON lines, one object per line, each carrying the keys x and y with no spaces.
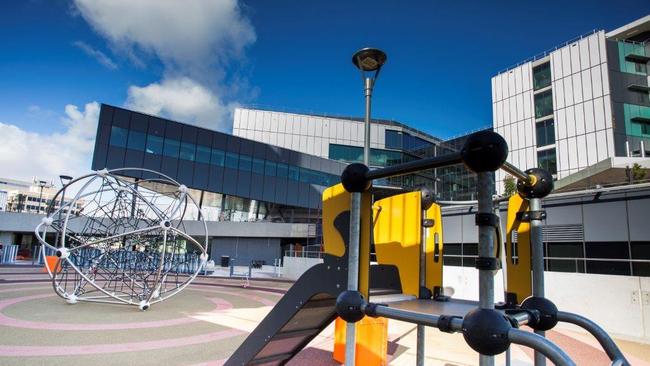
{"x":156,"y":145}
{"x":404,"y":141}
{"x":591,"y":257}
{"x":378,"y":157}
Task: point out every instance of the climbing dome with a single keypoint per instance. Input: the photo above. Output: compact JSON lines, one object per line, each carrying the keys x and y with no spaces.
{"x":123,"y":240}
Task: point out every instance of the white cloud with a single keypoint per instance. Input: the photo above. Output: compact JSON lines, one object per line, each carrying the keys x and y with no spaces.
{"x":25,"y":154}
{"x":98,"y":55}
{"x":182,"y":99}
{"x":191,"y":38}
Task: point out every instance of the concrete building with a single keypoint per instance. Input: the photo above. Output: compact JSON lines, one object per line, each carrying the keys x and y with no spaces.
{"x":587,"y":103}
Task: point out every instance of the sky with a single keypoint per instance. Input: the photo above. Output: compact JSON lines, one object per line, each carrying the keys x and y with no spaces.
{"x":195,"y":61}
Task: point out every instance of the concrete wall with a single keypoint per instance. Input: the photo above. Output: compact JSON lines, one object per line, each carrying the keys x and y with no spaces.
{"x":24,"y":222}
{"x":619,"y":304}
{"x":294,"y":267}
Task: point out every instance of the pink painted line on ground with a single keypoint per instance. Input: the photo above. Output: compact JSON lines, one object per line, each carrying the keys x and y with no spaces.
{"x":40,"y":351}
{"x":211,"y":363}
{"x":20,"y":323}
{"x":238,"y":294}
{"x":24,"y":289}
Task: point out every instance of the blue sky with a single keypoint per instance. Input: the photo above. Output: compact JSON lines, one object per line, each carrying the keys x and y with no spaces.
{"x":195,"y":64}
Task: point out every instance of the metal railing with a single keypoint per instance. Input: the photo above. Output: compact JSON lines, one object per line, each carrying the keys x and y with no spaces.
{"x":303,"y":253}
{"x":548,"y":51}
{"x":575,"y":260}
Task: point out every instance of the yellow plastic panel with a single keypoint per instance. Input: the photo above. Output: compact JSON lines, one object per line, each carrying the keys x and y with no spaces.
{"x":434,"y":248}
{"x":336,"y":228}
{"x":518,"y":272}
{"x":397,"y":237}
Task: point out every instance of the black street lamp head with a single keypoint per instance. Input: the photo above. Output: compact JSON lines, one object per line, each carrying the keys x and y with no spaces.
{"x":65,"y":179}
{"x":369,"y":59}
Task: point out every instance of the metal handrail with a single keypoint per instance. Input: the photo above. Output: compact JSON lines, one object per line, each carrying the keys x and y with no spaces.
{"x":563,"y":258}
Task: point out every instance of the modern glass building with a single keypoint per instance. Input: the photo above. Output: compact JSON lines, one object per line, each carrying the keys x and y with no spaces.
{"x":341,"y":139}
{"x":580,"y":110}
{"x":233,"y":178}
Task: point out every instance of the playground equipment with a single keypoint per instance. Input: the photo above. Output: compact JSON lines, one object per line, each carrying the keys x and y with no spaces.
{"x":119,"y":241}
{"x":409,"y":262}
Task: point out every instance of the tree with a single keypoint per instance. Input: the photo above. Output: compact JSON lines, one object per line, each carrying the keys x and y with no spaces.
{"x":509,"y":186}
{"x":638,"y":173}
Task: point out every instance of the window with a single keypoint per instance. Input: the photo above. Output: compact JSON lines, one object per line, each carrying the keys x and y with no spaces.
{"x":283,"y":170}
{"x":545,"y":132}
{"x":350,"y":154}
{"x":393,"y":139}
{"x":543,"y":104}
{"x":572,"y":251}
{"x":294,"y":173}
{"x":154,"y":145}
{"x":608,"y":251}
{"x":245,"y":163}
{"x":546,"y":160}
{"x":171,"y":148}
{"x":203,"y":154}
{"x":217,"y":157}
{"x":232,"y":160}
{"x":136,"y":140}
{"x":542,"y":76}
{"x":645,"y":128}
{"x":258,"y":166}
{"x":270,"y":167}
{"x":187,"y":151}
{"x":118,"y":136}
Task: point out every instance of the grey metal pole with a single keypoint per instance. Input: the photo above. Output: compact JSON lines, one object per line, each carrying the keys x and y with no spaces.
{"x":353,"y":272}
{"x":419,"y":359}
{"x":485,"y":249}
{"x":601,"y":336}
{"x":537,"y":259}
{"x":542,"y":345}
{"x":368,"y":85}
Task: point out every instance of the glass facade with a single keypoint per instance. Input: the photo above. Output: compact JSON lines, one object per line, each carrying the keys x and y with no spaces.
{"x":378,"y":157}
{"x":545,"y":131}
{"x":631,"y":48}
{"x":542,"y":76}
{"x":543,"y":104}
{"x":233,"y":178}
{"x":404,"y":141}
{"x":546,"y":160}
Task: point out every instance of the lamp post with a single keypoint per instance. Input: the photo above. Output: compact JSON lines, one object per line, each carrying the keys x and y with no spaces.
{"x":41,"y":184}
{"x":369,"y":61}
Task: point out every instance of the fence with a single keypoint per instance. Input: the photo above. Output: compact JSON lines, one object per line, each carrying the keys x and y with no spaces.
{"x":9,"y":253}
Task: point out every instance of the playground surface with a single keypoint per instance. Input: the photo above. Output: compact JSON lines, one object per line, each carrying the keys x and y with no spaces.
{"x":202,"y":326}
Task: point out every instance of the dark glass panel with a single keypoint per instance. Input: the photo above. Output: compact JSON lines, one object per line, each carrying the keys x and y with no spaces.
{"x":187,"y":151}
{"x":202,"y":154}
{"x":118,"y":136}
{"x":171,"y":148}
{"x":154,"y":145}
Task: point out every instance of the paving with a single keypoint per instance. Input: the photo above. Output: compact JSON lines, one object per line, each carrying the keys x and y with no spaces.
{"x":203,"y":325}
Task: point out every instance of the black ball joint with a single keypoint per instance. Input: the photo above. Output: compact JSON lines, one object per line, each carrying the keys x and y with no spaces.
{"x":428,"y":198}
{"x":542,"y":186}
{"x":354,"y":179}
{"x":486,"y":331}
{"x":349,"y":306}
{"x":484,"y":151}
{"x":545,"y":309}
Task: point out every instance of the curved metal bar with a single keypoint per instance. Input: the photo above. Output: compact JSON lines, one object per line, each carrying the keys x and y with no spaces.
{"x":541,"y":344}
{"x":601,"y":336}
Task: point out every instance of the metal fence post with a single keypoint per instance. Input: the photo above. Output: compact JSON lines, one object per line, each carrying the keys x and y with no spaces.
{"x":485,"y":183}
{"x":537,"y":258}
{"x":353,"y":272}
{"x":419,"y":359}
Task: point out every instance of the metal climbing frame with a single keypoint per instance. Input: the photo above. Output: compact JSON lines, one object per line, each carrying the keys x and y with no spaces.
{"x":487,"y":330}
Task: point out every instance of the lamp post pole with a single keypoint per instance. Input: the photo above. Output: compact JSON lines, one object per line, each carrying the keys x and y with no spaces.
{"x":368,"y":60}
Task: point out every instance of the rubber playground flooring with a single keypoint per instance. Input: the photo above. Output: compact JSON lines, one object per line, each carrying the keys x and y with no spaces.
{"x":203,"y":325}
